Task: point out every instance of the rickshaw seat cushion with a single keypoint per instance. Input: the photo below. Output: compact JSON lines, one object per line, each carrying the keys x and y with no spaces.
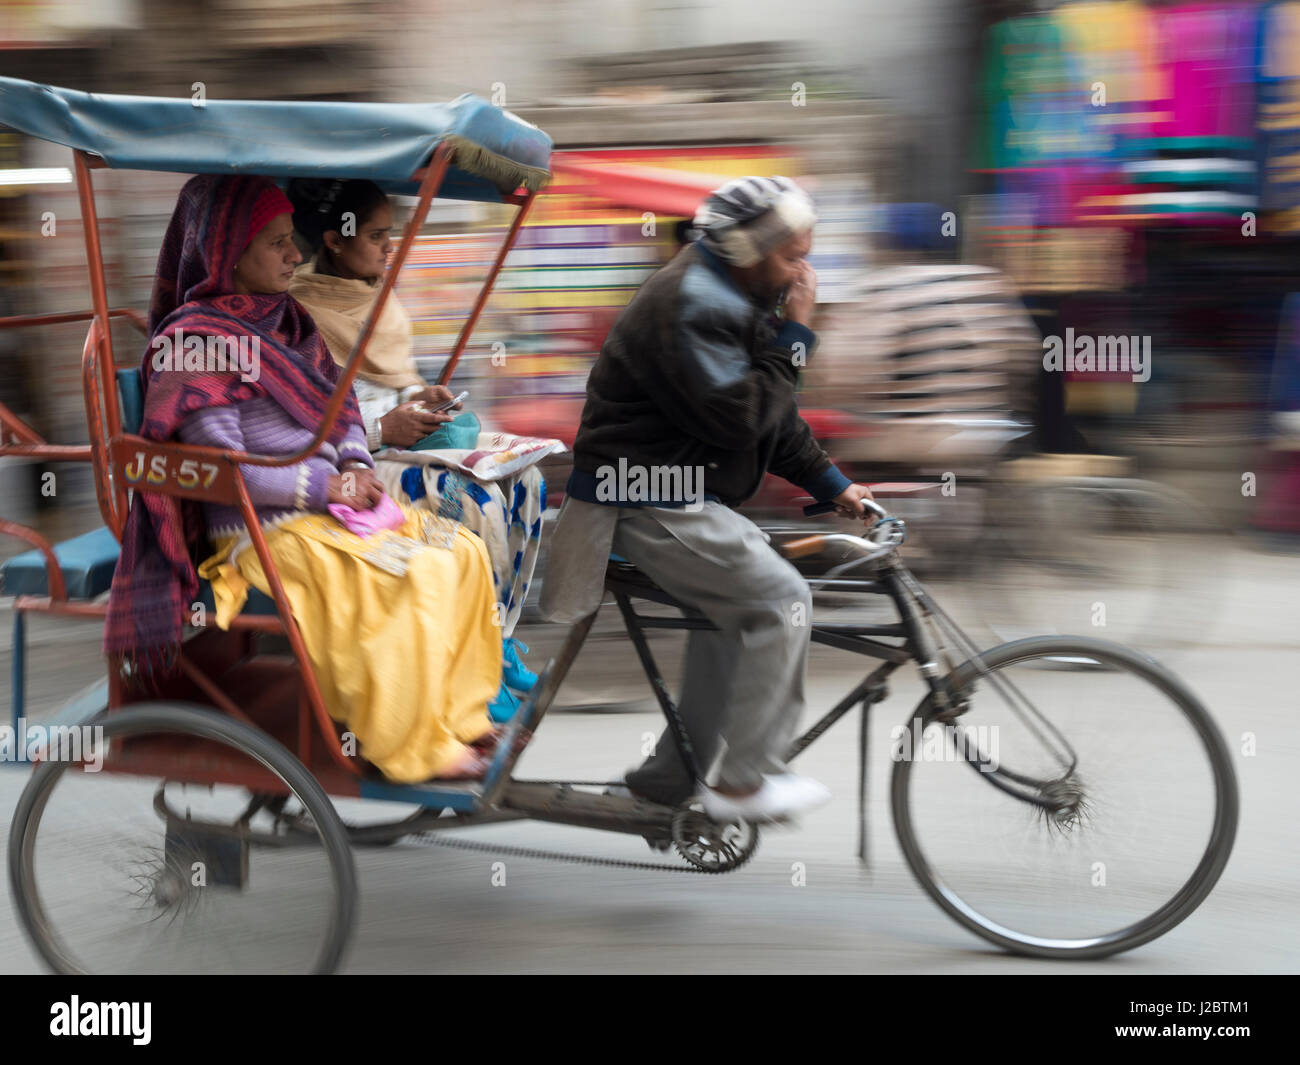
{"x":87,"y":562}
{"x":130,"y":396}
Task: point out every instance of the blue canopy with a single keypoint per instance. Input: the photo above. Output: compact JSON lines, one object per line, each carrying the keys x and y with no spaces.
{"x":496,"y":151}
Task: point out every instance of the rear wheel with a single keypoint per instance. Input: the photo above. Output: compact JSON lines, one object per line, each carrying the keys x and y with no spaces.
{"x":1088,"y":828}
{"x":116,"y":866}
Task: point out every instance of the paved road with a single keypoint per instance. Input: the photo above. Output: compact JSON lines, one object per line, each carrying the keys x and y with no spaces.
{"x":428,"y":909}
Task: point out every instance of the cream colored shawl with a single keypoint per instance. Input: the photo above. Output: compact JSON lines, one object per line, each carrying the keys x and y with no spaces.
{"x":339,"y":306}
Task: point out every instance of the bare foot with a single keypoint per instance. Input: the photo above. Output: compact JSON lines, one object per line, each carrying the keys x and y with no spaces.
{"x":489,"y":743}
{"x":489,"y":740}
{"x":470,"y":765}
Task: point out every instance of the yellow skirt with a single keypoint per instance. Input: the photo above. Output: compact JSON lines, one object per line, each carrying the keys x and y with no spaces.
{"x":399,"y":627}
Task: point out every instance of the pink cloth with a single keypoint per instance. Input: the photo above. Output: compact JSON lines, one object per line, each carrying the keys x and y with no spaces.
{"x":383,"y":515}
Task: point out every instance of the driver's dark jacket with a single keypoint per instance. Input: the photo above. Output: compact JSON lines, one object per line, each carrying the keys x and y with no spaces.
{"x":695,"y":374}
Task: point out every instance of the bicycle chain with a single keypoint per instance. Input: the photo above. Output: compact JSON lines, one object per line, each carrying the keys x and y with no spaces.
{"x":556,"y":856}
{"x":439,"y":838}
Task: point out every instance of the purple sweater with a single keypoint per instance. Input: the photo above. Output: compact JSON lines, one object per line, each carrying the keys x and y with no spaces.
{"x":262,"y":427}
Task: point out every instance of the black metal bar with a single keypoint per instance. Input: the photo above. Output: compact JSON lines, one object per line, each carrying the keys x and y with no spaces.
{"x":18,"y":666}
{"x":863,"y":733}
{"x":874,"y":680}
{"x":641,"y":590}
{"x":674,"y":623}
{"x":845,"y":628}
{"x":651,"y":668}
{"x":865,"y":586}
{"x":918,"y":643}
{"x":852,"y":629}
{"x":862,"y":646}
{"x":528,"y":716}
{"x":559,"y":804}
{"x":830,"y":717}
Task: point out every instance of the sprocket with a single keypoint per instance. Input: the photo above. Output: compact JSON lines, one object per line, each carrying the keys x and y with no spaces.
{"x":709,"y":846}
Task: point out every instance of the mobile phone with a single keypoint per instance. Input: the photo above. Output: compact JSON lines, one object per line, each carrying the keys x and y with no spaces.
{"x":448,"y":405}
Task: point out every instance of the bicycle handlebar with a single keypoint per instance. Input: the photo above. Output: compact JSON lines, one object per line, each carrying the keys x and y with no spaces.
{"x":814,"y":509}
{"x":872,"y":547}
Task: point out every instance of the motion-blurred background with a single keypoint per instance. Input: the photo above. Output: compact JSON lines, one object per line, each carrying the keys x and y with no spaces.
{"x":987,"y":174}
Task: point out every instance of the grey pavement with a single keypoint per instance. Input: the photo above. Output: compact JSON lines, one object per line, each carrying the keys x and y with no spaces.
{"x":434,"y":909}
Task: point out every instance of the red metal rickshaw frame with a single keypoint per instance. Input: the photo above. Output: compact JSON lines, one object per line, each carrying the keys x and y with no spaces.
{"x":111,"y":450}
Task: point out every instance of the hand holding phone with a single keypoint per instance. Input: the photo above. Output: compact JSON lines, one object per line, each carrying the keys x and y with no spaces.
{"x":454,"y":401}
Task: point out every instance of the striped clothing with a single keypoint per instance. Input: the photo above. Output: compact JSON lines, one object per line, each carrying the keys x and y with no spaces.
{"x":262,"y":427}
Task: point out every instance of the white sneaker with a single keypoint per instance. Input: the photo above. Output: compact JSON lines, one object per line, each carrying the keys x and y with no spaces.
{"x":780,"y":796}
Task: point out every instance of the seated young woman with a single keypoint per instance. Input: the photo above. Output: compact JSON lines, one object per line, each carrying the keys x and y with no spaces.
{"x":398,"y":623}
{"x":350,"y":226}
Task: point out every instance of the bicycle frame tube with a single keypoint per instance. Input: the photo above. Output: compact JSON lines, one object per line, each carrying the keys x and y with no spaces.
{"x":845,"y":636}
{"x":635,"y":629}
{"x":98,"y":287}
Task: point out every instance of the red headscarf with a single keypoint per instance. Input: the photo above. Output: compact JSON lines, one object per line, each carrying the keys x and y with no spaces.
{"x":194,"y":292}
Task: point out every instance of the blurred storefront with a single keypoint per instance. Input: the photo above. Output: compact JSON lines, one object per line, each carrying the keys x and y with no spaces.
{"x":640,"y":142}
{"x":1140,"y":166}
{"x":322,"y":49}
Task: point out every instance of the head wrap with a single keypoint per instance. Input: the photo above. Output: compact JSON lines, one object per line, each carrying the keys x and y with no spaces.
{"x":340,"y":307}
{"x":155,"y":581}
{"x":744,"y":220}
{"x":271,"y":204}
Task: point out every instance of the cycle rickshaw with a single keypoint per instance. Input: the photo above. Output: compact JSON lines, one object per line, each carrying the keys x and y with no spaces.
{"x":230,"y":774}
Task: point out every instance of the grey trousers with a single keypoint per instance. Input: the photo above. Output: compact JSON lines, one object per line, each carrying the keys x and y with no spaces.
{"x":743,"y":685}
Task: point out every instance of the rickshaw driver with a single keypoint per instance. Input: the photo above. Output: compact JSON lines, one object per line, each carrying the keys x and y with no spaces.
{"x":699,"y":372}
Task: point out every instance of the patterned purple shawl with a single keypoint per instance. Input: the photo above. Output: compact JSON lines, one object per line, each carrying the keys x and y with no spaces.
{"x":155,"y":582}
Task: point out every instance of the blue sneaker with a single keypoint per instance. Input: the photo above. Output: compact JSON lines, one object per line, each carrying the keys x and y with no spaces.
{"x":517,"y":675}
{"x":504,"y":707}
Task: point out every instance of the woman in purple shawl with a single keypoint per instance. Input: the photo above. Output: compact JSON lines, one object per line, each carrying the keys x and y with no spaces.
{"x":398,"y":623}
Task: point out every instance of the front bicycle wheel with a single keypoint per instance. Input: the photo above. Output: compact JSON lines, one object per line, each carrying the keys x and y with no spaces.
{"x":161,"y":844}
{"x":1065,"y":814}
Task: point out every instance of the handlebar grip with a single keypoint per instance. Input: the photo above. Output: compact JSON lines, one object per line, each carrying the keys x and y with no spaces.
{"x":813,"y":509}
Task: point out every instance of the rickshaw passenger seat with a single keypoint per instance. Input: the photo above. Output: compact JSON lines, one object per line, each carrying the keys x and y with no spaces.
{"x":131,"y":399}
{"x":87,"y":562}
